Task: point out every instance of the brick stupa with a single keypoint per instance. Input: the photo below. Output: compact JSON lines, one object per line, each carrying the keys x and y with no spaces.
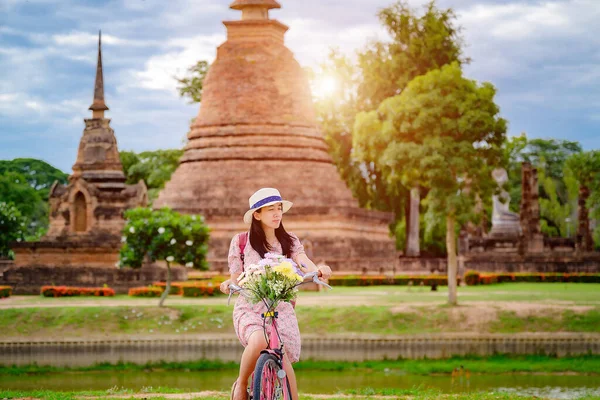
{"x":91,"y":206}
{"x":257,"y":128}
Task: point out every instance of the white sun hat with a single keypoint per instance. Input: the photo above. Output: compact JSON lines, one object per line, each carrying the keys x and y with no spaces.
{"x":262,"y":198}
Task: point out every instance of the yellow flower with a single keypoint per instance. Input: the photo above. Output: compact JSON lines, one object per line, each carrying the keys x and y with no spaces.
{"x":287,"y":270}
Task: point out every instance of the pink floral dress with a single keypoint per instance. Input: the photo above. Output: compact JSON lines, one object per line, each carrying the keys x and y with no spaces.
{"x":246,"y":316}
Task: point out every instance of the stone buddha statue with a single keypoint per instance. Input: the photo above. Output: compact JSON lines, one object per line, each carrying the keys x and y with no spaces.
{"x":504,"y":221}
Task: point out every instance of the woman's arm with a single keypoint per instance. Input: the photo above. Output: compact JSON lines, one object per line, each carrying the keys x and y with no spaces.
{"x":302,"y":259}
{"x":225,"y":285}
{"x":236,"y":265}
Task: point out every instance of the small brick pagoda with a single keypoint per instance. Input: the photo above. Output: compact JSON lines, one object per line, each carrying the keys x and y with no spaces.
{"x":257,"y":128}
{"x":91,"y":206}
{"x":86,"y":218}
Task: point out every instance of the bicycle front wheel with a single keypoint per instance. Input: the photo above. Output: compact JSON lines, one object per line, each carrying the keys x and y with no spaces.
{"x":267,"y":385}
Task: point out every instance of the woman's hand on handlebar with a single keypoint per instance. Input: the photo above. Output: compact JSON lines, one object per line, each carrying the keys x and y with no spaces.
{"x":224,"y":287}
{"x":324,"y":271}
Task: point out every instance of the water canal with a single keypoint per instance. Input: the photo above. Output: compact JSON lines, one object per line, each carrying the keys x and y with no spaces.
{"x":543,"y":385}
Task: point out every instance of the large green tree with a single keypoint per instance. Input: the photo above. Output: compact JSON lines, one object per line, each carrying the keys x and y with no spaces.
{"x":153,"y":167}
{"x":12,"y":228}
{"x":585,"y":167}
{"x":442,"y":132}
{"x":421,"y":42}
{"x":26,"y":183}
{"x":558,"y":185}
{"x":39,"y":174}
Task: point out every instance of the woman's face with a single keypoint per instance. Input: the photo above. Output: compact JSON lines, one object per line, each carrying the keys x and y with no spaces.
{"x":270,"y":216}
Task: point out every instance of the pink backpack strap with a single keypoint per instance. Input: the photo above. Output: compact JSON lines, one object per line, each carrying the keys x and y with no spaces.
{"x":243,"y":242}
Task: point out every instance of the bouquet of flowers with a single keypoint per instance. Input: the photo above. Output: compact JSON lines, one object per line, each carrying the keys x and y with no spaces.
{"x":274,"y":278}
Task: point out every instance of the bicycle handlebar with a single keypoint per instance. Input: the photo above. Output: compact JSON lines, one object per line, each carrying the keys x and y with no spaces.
{"x":313,"y":277}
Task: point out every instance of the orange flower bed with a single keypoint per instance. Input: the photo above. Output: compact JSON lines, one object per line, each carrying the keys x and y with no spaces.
{"x":146,"y":291}
{"x":67,"y":291}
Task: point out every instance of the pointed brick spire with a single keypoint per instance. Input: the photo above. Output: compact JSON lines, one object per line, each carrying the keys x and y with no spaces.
{"x":98,"y":106}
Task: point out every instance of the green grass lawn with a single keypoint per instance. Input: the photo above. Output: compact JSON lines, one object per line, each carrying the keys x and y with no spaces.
{"x":502,"y":308}
{"x":575,"y":293}
{"x":572,"y":293}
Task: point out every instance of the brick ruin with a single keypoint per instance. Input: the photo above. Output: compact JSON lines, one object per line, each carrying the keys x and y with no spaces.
{"x":86,"y":218}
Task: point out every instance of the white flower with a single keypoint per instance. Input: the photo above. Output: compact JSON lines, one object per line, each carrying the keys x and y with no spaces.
{"x":123,"y":239}
{"x":173,"y":241}
{"x":193,"y":217}
{"x":189,"y":265}
{"x":132,"y":229}
{"x":170,"y":258}
{"x":161,"y":230}
{"x":189,"y":242}
{"x":118,"y":264}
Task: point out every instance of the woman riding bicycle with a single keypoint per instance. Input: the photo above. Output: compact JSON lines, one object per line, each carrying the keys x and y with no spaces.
{"x":267,"y":234}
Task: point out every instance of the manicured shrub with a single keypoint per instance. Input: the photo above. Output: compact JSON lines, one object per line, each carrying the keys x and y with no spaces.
{"x":5,"y":291}
{"x":379,"y":280}
{"x":146,"y":291}
{"x":472,"y":278}
{"x":201,"y":290}
{"x":476,"y":278}
{"x":67,"y":291}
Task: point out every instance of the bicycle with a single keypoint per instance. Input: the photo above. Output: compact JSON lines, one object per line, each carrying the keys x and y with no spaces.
{"x":269,"y":380}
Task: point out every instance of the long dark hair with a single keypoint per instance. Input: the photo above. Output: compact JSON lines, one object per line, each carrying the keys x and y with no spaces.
{"x":258,"y":239}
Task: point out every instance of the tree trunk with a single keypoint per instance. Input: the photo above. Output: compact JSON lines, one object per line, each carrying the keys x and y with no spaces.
{"x":584,"y":241}
{"x":412,"y":243}
{"x":168,"y":286}
{"x":452,"y":264}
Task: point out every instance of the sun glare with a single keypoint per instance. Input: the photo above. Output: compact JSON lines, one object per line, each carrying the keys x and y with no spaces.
{"x":325,"y":86}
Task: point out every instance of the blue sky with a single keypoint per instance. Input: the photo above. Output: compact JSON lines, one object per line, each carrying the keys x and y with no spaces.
{"x":543,"y":57}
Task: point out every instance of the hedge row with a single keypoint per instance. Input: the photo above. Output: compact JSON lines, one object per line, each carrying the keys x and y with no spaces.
{"x":187,"y":289}
{"x":66,"y":291}
{"x":481,"y":278}
{"x":5,"y":291}
{"x":176,"y":287}
{"x":399,"y":280}
{"x":146,"y":291}
{"x":204,"y":277}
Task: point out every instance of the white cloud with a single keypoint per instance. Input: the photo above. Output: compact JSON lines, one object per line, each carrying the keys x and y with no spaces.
{"x":312,"y":39}
{"x":160,"y":70}
{"x":85,"y":39}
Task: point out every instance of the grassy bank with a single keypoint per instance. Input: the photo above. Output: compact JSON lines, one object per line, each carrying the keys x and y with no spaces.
{"x":500,"y":364}
{"x":94,"y":322}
